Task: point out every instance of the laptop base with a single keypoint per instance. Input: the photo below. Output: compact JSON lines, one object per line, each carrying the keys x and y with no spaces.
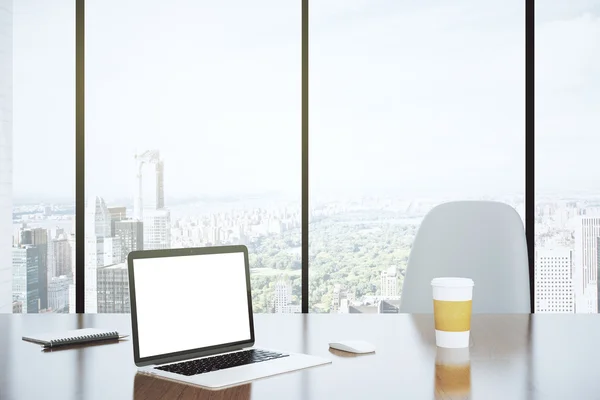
{"x":235,"y":376}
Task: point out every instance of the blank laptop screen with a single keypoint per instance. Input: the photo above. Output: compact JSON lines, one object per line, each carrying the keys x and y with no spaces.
{"x":190,"y":302}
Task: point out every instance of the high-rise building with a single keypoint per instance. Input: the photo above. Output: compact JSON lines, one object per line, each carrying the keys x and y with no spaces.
{"x":157,"y":229}
{"x":150,"y":183}
{"x":131,"y":233}
{"x":58,"y":294}
{"x":149,"y":201}
{"x":25,"y":236}
{"x":116,"y":214}
{"x":554,"y":281}
{"x":25,"y":262}
{"x":19,"y":278}
{"x":59,"y":233}
{"x":97,"y":229}
{"x":389,"y":282}
{"x":16,"y":237}
{"x":282,"y":298}
{"x":585,"y":273}
{"x":97,"y":218}
{"x":94,"y":258}
{"x":341,"y":299}
{"x":113,"y":289}
{"x":6,"y":303}
{"x":160,"y":184}
{"x":34,"y":236}
{"x":113,"y":251}
{"x":59,"y":258}
{"x":38,"y":237}
{"x":71,"y":239}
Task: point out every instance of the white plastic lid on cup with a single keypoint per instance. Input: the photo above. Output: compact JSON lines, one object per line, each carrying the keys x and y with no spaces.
{"x":452,"y":289}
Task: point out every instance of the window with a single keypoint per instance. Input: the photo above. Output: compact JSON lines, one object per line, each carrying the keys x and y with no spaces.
{"x":37,"y":153}
{"x":193,"y":139}
{"x":567,"y":200}
{"x":193,"y":117}
{"x":411,"y":105}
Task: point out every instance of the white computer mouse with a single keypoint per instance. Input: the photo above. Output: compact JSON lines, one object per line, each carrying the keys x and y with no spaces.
{"x":353,"y":346}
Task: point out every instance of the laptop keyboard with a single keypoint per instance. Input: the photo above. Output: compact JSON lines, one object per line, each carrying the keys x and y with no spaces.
{"x":215,"y":363}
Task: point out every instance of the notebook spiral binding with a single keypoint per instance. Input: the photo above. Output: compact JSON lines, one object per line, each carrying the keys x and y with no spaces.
{"x":84,"y":338}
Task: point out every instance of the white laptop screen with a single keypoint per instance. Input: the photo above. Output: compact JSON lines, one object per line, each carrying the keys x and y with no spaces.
{"x":190,"y":302}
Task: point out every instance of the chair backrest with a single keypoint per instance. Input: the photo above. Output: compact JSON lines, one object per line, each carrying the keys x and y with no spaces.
{"x":481,"y":240}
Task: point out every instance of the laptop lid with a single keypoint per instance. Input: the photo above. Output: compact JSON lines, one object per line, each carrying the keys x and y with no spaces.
{"x":189,"y":303}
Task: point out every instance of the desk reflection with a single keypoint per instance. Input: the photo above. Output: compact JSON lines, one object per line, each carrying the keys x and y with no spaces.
{"x":452,"y":374}
{"x":149,"y":388}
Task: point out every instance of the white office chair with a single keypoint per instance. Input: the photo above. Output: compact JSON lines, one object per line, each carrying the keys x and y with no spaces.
{"x":481,"y":240}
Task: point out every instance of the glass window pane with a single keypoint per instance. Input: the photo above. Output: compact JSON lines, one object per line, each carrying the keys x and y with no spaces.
{"x":412,"y":104}
{"x":6,"y":84}
{"x":567,"y":219}
{"x":193,"y":139}
{"x":37,"y":155}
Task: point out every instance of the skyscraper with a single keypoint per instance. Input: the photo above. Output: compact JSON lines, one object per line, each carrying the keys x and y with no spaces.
{"x":5,"y":156}
{"x":25,"y":263}
{"x":116,"y":214}
{"x":101,"y":247}
{"x":160,"y":184}
{"x":113,"y":289}
{"x":94,"y":258}
{"x":19,"y":278}
{"x":150,"y":183}
{"x":59,"y":258}
{"x":97,"y":228}
{"x":554,"y":281}
{"x":38,"y":237}
{"x":341,"y":299}
{"x":97,"y":218}
{"x":131,"y":233}
{"x":25,"y":236}
{"x":149,"y":201}
{"x":157,"y":229}
{"x":113,"y":251}
{"x":389,"y":282}
{"x":282,"y":298}
{"x":585,"y":273}
{"x":58,"y":233}
{"x":58,"y":294}
{"x":71,"y":239}
{"x":34,"y":236}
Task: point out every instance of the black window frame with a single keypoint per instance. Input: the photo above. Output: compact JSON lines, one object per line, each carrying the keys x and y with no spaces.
{"x":80,"y":151}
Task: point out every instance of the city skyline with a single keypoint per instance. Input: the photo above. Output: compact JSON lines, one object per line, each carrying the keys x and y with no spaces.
{"x":563,"y":215}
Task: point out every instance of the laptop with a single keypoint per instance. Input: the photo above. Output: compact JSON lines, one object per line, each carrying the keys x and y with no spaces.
{"x":192,"y":321}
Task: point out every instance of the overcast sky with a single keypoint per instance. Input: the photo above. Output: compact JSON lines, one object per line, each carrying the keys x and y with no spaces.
{"x":406,"y":97}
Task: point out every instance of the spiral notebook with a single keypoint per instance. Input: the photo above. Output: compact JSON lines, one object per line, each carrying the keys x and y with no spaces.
{"x":77,"y":336}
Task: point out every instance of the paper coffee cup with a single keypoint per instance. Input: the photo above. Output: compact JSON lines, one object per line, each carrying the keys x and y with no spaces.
{"x":452,"y":305}
{"x":452,"y":373}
